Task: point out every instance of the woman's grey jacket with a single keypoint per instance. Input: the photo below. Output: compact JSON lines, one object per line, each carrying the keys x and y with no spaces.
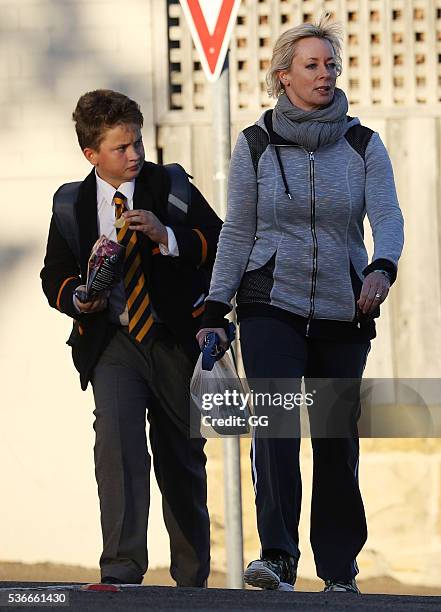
{"x":300,"y":214}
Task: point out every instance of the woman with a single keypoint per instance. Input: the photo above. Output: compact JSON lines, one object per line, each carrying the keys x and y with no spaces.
{"x":301,"y":181}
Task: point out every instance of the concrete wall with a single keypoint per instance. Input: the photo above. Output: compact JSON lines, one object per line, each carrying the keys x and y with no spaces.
{"x":51,"y":51}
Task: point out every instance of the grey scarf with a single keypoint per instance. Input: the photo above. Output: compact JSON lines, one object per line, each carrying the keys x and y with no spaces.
{"x":311,"y":129}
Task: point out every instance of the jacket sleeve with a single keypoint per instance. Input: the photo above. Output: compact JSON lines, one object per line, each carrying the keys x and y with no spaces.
{"x":197,"y":241}
{"x":60,"y":275}
{"x":382,"y":209}
{"x":236,"y":238}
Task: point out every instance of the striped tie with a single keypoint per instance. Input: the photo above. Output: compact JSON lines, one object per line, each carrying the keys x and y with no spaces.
{"x":138,"y":302}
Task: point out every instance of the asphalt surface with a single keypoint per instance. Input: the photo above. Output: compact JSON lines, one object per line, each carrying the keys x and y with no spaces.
{"x":157,"y":598}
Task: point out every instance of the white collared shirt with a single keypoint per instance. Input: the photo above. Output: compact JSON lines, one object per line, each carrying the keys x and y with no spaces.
{"x":106,"y":226}
{"x":106,"y":213}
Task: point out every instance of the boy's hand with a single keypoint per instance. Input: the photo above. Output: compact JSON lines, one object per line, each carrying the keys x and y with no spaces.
{"x":96,"y":304}
{"x":148,"y":223}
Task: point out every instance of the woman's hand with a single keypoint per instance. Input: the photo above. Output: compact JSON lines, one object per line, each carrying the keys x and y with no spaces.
{"x":373,"y":292}
{"x":200,"y":336}
{"x":148,"y":223}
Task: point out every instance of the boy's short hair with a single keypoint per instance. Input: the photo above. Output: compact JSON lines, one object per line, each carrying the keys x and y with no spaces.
{"x":99,"y":110}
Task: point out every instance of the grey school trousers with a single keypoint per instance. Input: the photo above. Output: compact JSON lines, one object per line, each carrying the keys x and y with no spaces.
{"x":132,"y":381}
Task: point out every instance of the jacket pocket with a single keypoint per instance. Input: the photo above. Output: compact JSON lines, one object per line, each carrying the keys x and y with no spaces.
{"x":256,"y":285}
{"x":75,"y":335}
{"x":357,"y":284}
{"x":356,"y":281}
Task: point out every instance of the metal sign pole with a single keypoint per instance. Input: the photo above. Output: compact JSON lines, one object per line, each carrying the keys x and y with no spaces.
{"x":232,"y":476}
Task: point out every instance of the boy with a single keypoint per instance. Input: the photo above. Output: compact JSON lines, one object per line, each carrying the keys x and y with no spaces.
{"x":136,"y":345}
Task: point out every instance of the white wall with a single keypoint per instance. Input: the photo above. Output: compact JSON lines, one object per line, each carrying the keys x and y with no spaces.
{"x":52,"y":51}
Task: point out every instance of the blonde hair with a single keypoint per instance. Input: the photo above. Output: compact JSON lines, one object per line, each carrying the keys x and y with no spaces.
{"x":285,"y":48}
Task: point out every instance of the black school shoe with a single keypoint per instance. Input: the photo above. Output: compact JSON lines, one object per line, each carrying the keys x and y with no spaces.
{"x":203,"y":585}
{"x":278,"y":571}
{"x":342,"y":586}
{"x":113,"y":580}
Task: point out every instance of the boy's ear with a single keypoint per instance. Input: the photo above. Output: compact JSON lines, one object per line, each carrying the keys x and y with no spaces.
{"x":91,"y":155}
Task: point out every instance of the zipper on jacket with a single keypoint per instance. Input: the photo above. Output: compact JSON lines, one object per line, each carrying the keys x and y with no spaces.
{"x":313,"y":232}
{"x":314,"y":240}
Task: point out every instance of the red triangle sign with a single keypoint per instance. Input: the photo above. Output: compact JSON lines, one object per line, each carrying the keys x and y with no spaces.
{"x":211,"y":24}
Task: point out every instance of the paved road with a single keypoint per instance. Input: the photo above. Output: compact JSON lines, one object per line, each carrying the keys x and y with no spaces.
{"x":132,"y":599}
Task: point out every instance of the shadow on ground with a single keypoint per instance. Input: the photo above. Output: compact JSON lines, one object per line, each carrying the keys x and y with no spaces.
{"x":50,"y":572}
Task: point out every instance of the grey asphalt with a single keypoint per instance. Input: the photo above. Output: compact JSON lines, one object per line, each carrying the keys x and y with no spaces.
{"x":169,"y":598}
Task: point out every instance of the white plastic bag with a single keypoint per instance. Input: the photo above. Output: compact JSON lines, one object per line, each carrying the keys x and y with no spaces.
{"x":221,"y":398}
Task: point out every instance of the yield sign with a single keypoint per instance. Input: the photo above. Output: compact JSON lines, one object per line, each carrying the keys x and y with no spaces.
{"x":211,"y":24}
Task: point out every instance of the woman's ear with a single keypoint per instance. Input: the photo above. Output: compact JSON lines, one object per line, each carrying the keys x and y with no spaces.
{"x":283,"y":78}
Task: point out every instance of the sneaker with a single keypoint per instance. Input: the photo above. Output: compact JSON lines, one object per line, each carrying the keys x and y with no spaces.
{"x":277,"y":572}
{"x":343,"y":586}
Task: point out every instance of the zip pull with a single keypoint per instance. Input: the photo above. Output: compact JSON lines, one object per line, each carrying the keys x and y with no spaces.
{"x":311,"y":155}
{"x":288,"y":194}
